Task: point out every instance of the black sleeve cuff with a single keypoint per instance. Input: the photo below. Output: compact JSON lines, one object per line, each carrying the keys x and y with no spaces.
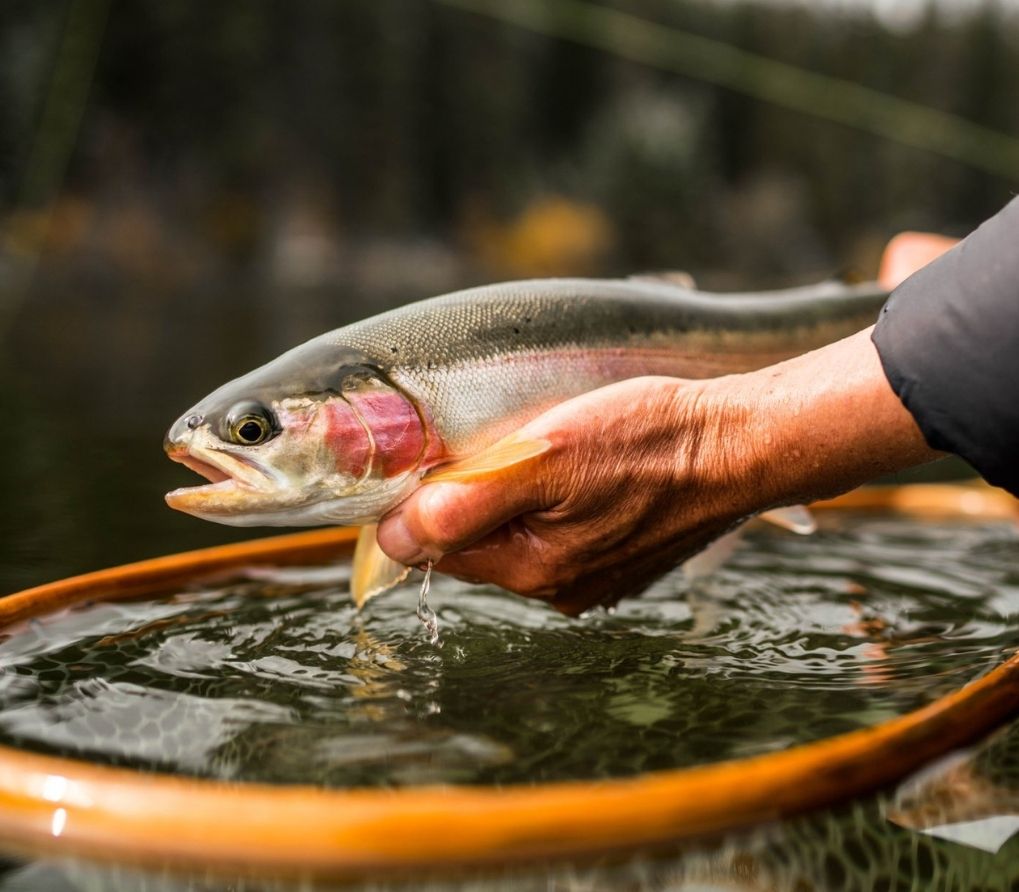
{"x":948,"y":339}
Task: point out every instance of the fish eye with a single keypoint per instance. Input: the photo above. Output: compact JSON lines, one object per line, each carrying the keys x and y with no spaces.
{"x":249,"y":423}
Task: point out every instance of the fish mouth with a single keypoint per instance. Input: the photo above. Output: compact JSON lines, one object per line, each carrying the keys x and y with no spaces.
{"x":231,"y":478}
{"x":209,"y":472}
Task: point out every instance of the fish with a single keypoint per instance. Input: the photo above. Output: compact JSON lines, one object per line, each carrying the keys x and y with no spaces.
{"x":342,"y":428}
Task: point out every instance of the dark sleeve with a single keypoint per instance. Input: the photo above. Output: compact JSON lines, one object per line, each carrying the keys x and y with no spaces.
{"x":948,"y":339}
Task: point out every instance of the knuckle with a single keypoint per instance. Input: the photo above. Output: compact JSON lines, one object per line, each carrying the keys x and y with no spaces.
{"x":436,"y":531}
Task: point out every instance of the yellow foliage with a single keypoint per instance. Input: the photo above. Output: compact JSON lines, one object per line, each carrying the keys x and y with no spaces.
{"x":60,"y":228}
{"x":551,"y":236}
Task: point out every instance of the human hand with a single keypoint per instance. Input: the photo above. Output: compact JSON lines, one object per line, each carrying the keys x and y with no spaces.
{"x":644,"y":473}
{"x":909,"y":251}
{"x":638,"y":476}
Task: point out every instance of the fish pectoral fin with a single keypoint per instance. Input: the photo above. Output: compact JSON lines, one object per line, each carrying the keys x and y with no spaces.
{"x":679,"y":278}
{"x":509,"y":451}
{"x":795,"y":518}
{"x":374,"y":571}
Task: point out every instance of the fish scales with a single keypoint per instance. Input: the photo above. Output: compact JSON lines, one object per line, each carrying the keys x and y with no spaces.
{"x":345,"y":426}
{"x":486,"y":359}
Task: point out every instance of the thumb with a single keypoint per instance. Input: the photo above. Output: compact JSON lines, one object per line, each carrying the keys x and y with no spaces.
{"x":439,"y":518}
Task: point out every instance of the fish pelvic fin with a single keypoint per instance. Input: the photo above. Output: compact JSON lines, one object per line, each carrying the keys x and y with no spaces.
{"x":795,"y":518}
{"x":504,"y":453}
{"x":705,"y":562}
{"x":374,"y":571}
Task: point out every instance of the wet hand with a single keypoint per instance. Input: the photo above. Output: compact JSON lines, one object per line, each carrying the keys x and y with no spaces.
{"x":638,"y":477}
{"x":644,"y":473}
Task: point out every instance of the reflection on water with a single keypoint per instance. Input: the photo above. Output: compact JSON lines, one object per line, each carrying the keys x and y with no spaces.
{"x":277,"y":678}
{"x":274,"y":677}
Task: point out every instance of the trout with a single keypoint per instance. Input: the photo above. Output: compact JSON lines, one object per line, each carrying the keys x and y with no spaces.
{"x":344,"y":427}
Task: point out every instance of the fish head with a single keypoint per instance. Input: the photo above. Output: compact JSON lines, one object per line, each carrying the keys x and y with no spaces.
{"x":318,"y":436}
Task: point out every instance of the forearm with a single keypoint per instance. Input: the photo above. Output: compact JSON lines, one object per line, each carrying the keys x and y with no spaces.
{"x":815,"y":425}
{"x":644,"y":473}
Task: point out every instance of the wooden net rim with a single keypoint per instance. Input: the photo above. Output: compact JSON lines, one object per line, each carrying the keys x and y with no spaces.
{"x":67,"y":806}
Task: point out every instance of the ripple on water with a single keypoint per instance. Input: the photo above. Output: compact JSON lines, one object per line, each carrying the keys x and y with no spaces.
{"x":275,"y":677}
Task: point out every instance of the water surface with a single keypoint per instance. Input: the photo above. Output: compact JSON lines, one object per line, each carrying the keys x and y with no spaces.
{"x":273,"y":676}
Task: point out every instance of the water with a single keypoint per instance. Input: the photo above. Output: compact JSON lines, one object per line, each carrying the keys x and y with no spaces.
{"x":275,"y":677}
{"x":424,"y":611}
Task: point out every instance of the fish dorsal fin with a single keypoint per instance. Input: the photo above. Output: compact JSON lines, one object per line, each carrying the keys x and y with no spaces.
{"x":678,"y":278}
{"x":504,"y":453}
{"x":795,"y":518}
{"x":374,"y":571}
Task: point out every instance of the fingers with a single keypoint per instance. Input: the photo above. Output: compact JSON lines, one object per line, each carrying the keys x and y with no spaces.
{"x":540,"y":564}
{"x":908,"y":252}
{"x":511,"y":557}
{"x":442,"y":517}
{"x":551,"y":526}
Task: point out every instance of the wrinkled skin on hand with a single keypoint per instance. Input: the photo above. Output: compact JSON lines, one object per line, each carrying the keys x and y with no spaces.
{"x":630,"y":486}
{"x":643,"y":474}
{"x":647,"y":472}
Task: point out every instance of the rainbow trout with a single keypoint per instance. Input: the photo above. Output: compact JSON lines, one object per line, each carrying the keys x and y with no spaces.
{"x":342,"y":428}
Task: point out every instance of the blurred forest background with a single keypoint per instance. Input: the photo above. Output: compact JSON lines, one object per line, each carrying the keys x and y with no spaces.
{"x":189,"y":188}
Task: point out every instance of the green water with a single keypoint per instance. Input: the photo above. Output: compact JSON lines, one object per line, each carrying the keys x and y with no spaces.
{"x":273,"y":676}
